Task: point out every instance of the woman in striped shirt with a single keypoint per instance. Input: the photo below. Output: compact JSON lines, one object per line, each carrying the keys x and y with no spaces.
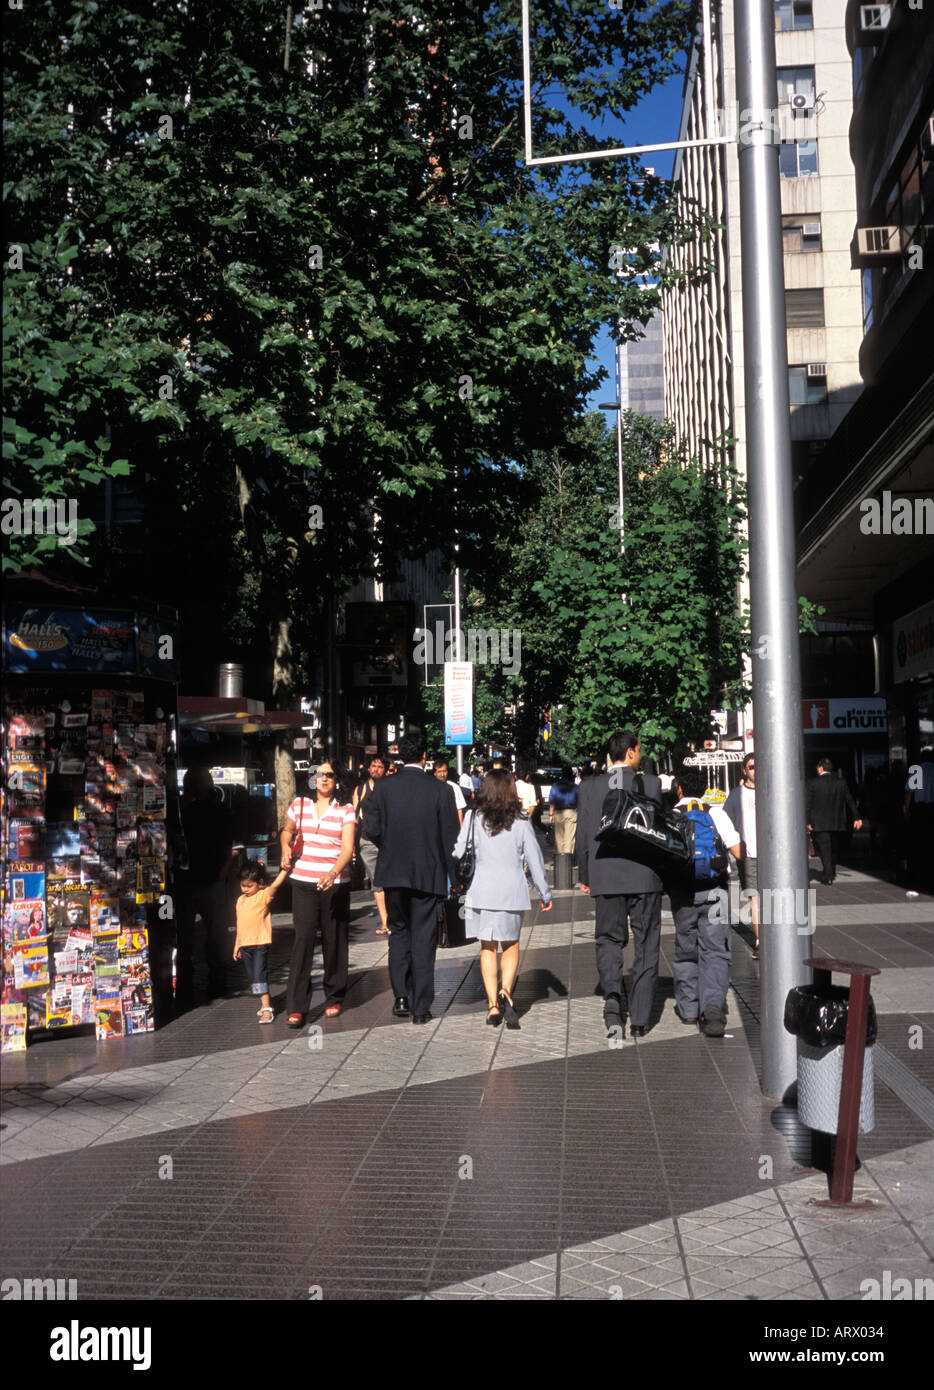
{"x":320,"y":892}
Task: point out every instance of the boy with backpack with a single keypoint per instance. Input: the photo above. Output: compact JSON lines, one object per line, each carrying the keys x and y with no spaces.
{"x":702,"y":931}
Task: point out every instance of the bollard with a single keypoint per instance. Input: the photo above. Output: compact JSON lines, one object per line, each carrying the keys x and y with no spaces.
{"x":844,"y":1159}
{"x":564,"y":871}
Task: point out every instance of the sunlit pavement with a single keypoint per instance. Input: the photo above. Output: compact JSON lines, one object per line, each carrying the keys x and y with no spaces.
{"x":369,"y":1158}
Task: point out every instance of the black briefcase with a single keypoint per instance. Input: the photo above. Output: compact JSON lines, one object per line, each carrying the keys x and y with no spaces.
{"x":451,"y":928}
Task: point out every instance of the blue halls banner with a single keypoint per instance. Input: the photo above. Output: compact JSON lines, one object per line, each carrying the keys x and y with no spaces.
{"x":42,"y":638}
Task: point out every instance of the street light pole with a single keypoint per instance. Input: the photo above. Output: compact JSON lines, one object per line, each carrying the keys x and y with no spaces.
{"x":776,"y":680}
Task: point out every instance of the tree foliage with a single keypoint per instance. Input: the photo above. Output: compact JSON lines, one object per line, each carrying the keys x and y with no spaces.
{"x":650,"y":638}
{"x":263,"y":288}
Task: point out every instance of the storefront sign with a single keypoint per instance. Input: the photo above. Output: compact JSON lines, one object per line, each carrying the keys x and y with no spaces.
{"x":458,"y":702}
{"x":867,"y":716}
{"x":913,"y":644}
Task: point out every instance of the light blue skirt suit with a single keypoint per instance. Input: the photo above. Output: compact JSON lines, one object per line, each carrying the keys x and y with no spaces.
{"x":499,"y":892}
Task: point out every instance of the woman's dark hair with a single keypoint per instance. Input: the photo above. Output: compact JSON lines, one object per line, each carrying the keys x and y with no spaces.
{"x":498,"y":802}
{"x":252,"y":872}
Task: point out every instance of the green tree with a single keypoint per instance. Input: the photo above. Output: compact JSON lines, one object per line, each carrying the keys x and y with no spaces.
{"x":651,"y":638}
{"x":307,"y":269}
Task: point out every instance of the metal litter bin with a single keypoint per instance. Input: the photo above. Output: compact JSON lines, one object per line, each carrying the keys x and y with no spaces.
{"x":816,"y":1015}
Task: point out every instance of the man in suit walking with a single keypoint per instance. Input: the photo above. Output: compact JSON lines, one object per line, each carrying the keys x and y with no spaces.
{"x":624,"y":892}
{"x":412,"y":818}
{"x":830,"y":812}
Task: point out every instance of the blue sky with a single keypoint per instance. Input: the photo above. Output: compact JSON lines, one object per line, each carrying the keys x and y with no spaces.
{"x":656,"y":119}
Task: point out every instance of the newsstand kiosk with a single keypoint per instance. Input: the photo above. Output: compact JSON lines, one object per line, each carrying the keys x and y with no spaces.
{"x":89,"y":808}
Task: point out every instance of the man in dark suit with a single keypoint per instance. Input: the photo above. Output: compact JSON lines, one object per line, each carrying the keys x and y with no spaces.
{"x":413,"y":820}
{"x":830,"y":812}
{"x":624,"y":892}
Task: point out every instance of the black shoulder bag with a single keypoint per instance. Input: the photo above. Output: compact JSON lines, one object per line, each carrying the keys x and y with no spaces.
{"x":634,"y":826}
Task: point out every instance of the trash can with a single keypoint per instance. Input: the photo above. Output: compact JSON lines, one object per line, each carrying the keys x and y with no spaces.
{"x":564,"y":871}
{"x":816,"y":1015}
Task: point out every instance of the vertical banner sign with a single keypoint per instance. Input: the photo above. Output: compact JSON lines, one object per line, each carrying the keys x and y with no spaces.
{"x":458,"y":702}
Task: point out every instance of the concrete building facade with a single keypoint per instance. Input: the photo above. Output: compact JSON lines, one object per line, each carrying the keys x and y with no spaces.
{"x":703,"y":334}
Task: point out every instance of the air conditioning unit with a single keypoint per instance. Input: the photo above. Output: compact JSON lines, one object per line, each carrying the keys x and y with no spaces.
{"x":817,"y":369}
{"x":811,"y":231}
{"x":879,"y":243}
{"x":802,"y":103}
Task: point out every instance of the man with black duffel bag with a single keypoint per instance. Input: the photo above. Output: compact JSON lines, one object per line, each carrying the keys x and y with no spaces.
{"x":625,"y":892}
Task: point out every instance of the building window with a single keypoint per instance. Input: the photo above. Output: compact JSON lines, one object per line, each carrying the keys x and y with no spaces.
{"x":807,"y":385}
{"x":794,"y":14}
{"x":804,"y":308}
{"x":797,"y":159}
{"x":801,"y":232}
{"x":795,"y":82}
{"x":867,"y":300}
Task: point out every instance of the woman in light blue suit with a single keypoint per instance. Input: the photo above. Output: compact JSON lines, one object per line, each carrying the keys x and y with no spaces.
{"x":499,"y":892}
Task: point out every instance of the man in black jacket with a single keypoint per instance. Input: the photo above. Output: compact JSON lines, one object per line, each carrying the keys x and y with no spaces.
{"x":623,"y":891}
{"x":830,"y":812}
{"x":413,"y":820}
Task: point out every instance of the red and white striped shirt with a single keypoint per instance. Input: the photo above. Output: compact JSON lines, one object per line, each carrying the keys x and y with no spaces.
{"x":322,"y":839}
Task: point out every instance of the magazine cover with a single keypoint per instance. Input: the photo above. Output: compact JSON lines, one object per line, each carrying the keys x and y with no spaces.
{"x":108,"y":1011}
{"x":76,"y":899}
{"x":150,"y":738}
{"x":58,"y":1005}
{"x":23,"y":838}
{"x":150,"y":880}
{"x":106,"y":964}
{"x":126,"y":844}
{"x":105,"y":914}
{"x":14,"y":1027}
{"x":31,"y":965}
{"x":81,"y":942}
{"x":65,"y":963}
{"x":152,"y":802}
{"x":26,"y":730}
{"x":25,"y":921}
{"x":102,"y":704}
{"x":129,"y":706}
{"x":35,"y":1007}
{"x":25,"y":879}
{"x":132,"y":940}
{"x":82,"y":998}
{"x":139,"y":1020}
{"x":151,"y":841}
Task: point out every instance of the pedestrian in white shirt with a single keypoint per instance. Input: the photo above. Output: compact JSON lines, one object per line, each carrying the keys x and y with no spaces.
{"x":740,"y":806}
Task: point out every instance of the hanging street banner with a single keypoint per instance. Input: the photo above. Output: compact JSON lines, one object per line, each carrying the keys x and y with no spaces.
{"x":458,"y":702}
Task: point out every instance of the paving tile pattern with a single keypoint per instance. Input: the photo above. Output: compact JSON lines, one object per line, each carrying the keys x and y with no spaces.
{"x":221,"y":1159}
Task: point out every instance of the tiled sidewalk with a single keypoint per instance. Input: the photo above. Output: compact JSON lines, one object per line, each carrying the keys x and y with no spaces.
{"x":221,"y":1159}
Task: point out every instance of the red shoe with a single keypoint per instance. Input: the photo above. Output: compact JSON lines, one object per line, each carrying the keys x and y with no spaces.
{"x":332,"y":1011}
{"x":295,"y":1020}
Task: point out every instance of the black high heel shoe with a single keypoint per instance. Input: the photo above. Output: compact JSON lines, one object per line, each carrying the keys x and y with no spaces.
{"x":508,"y":1009}
{"x":494,"y":1016}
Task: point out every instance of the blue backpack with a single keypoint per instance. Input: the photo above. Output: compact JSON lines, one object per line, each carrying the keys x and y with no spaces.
{"x":709,"y":859}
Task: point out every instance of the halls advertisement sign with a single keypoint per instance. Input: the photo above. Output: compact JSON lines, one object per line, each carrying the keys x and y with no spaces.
{"x":867,"y":716}
{"x":913,"y":644}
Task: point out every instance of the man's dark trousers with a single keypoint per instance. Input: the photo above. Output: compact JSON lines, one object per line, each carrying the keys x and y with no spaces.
{"x":827,"y":844}
{"x":413,"y":921}
{"x":644,"y":912}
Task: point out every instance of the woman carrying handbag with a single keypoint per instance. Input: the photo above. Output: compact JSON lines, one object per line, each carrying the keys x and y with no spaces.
{"x":501,"y":838}
{"x":317,"y":845}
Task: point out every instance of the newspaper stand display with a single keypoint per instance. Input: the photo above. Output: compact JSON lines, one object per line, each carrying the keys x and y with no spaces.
{"x":89,"y":804}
